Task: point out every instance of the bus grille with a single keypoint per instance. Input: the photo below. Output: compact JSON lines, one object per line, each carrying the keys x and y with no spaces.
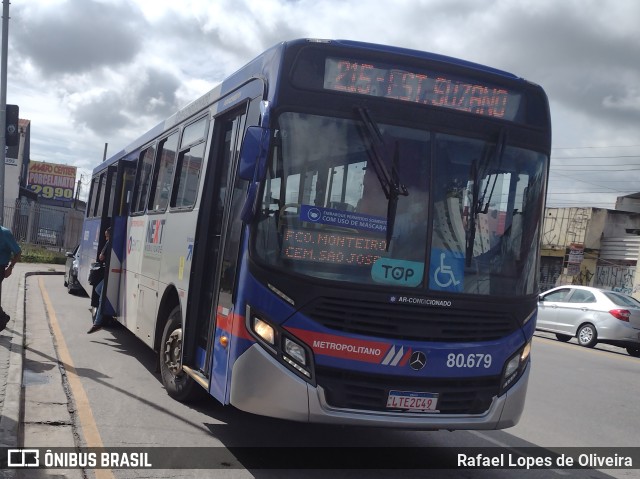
{"x":407,"y":322}
{"x":369,"y":392}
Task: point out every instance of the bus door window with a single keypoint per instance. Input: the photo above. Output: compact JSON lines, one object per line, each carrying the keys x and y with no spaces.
{"x":163,"y":174}
{"x":141,"y":189}
{"x":101,"y":184}
{"x":126,"y":189}
{"x":93,"y":197}
{"x":112,"y":183}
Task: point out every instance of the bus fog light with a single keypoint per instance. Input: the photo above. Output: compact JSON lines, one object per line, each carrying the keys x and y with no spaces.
{"x":264,"y":330}
{"x":296,"y":351}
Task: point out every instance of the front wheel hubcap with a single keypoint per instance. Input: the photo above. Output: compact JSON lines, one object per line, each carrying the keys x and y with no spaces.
{"x":172,"y":351}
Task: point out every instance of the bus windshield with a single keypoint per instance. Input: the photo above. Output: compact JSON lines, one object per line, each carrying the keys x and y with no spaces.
{"x":324,"y":212}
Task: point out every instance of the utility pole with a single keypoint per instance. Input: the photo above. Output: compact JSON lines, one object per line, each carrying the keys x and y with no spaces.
{"x":75,"y":202}
{"x":3,"y":102}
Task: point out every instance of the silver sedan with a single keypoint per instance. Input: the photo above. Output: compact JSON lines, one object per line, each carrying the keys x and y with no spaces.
{"x":591,"y":315}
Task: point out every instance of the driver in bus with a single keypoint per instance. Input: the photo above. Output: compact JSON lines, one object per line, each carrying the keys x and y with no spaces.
{"x":373,"y":201}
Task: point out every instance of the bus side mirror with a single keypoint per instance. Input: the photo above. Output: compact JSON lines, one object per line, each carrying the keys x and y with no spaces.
{"x":253,"y":167}
{"x":252,"y":149}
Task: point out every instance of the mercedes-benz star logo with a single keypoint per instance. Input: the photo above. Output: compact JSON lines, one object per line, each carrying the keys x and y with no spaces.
{"x":418,"y":360}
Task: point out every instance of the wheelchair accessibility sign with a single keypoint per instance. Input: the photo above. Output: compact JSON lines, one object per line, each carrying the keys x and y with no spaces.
{"x":446,"y":270}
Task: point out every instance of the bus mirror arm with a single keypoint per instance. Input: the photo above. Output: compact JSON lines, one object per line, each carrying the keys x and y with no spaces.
{"x":251,"y":203}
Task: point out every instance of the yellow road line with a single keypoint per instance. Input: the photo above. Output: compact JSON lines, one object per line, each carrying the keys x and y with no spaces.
{"x":83,"y":407}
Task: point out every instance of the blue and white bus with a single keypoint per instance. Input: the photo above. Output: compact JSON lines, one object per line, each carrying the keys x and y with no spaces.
{"x":339,"y":232}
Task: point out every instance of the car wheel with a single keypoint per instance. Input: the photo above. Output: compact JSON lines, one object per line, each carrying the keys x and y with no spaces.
{"x":179,"y":385}
{"x":635,"y":352}
{"x":563,"y":337}
{"x":587,"y":335}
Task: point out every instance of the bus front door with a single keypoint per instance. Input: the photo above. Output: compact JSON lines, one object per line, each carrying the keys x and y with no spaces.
{"x":214,"y":258}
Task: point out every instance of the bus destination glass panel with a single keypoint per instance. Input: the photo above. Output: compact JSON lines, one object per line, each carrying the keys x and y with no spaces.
{"x":425,"y":87}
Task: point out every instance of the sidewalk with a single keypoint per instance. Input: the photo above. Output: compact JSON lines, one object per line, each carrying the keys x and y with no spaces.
{"x":12,"y":341}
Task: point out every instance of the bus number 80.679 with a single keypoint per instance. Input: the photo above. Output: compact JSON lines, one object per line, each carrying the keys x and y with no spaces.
{"x":473,"y":360}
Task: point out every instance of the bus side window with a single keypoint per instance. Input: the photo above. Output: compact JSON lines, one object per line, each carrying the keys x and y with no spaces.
{"x":189,"y":167}
{"x":188,"y":174}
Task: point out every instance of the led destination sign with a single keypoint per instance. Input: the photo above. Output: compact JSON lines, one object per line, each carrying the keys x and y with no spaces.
{"x":420,"y":86}
{"x":331,"y":248}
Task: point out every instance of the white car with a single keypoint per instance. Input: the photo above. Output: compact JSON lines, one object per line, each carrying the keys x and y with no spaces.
{"x":591,"y":315}
{"x":71,"y":272}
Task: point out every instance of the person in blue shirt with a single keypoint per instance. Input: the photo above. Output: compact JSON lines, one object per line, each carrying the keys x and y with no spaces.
{"x":9,"y":255}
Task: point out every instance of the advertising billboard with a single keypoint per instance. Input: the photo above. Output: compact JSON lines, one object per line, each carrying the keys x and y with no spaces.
{"x":52,"y":182}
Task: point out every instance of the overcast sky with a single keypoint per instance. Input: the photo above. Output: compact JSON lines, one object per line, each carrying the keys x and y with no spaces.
{"x":90,"y":72}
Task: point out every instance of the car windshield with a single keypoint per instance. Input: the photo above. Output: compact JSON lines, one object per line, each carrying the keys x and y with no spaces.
{"x":324,"y":210}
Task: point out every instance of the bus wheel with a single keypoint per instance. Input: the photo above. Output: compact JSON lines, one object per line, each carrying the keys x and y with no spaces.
{"x":179,"y":385}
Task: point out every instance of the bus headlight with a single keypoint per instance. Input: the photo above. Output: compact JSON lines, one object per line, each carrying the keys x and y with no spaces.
{"x":286,"y":348}
{"x":514,"y":367}
{"x":264,"y":330}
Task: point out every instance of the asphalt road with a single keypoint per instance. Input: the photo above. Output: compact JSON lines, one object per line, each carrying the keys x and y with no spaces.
{"x":577,"y":398}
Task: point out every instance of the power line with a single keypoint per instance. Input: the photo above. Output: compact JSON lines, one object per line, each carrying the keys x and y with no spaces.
{"x":593,"y":147}
{"x":594,"y":157}
{"x":587,"y":183}
{"x":595,"y":169}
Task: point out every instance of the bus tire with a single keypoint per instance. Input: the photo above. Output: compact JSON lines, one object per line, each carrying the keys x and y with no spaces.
{"x":179,"y":385}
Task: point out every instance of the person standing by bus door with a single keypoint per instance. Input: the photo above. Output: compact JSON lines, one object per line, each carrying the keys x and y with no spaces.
{"x":10,"y":253}
{"x":104,"y":257}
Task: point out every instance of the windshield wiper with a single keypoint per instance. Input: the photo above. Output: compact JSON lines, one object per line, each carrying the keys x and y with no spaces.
{"x":390,"y":182}
{"x":475,"y":175}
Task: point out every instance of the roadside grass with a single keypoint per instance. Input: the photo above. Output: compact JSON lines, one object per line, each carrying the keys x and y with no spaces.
{"x":38,"y":254}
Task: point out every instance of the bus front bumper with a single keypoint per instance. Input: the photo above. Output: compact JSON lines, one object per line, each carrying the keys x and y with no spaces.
{"x":261,"y":385}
